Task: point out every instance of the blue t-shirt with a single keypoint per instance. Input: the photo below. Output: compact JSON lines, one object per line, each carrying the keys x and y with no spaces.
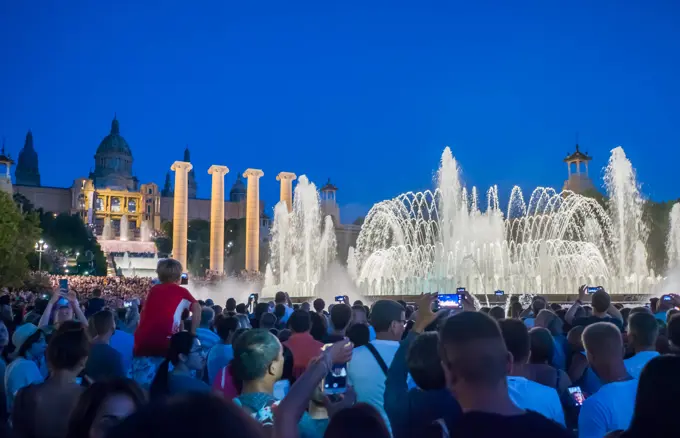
{"x":260,"y":406}
{"x":181,"y":384}
{"x":219,"y":357}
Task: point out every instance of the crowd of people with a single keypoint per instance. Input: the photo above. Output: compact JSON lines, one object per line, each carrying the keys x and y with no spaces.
{"x":134,"y":358}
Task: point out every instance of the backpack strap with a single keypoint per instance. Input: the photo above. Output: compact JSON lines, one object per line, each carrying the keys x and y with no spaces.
{"x":378,"y":358}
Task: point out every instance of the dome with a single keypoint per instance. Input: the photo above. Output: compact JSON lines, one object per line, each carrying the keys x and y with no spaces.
{"x":114,"y":142}
{"x":238,"y":190}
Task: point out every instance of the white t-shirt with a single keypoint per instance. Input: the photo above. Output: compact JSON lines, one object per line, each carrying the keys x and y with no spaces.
{"x":609,"y":409}
{"x":366,"y":376}
{"x":533,"y":396}
{"x":635,"y":364}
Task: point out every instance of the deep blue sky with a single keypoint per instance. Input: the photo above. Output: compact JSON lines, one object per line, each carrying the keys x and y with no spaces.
{"x":366,"y":92}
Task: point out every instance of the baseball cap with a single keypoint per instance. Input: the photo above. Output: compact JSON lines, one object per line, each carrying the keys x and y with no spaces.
{"x":22,"y":333}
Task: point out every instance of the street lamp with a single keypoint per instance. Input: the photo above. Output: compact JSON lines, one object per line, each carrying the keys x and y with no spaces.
{"x":40,"y":247}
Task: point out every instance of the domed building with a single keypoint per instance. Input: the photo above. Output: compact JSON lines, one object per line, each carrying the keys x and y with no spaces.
{"x":113,"y":162}
{"x":238,"y":190}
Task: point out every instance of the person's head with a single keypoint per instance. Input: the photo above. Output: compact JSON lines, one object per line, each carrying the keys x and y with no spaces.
{"x":280,"y":311}
{"x":103,"y":323}
{"x":97,"y":293}
{"x":359,"y":421}
{"x":656,"y":402}
{"x":549,"y":320}
{"x":601,"y":301}
{"x":185,"y":354}
{"x":211,"y":416}
{"x":673,"y":330}
{"x":68,"y":350}
{"x":497,"y":313}
{"x":104,"y":405}
{"x":257,"y":356}
{"x":226,"y":327}
{"x":305,"y":306}
{"x":424,"y":362}
{"x":268,"y":321}
{"x":169,"y":271}
{"x":575,"y":338}
{"x":230,"y":305}
{"x":359,"y":315}
{"x":516,"y":309}
{"x":260,"y":310}
{"x":542,"y":346}
{"x":555,"y":307}
{"x":319,"y":305}
{"x":341,"y":315}
{"x":474,"y":356}
{"x":280,"y":297}
{"x":359,"y":334}
{"x":642,"y":331}
{"x":604,"y":347}
{"x":207,"y":316}
{"x":538,"y":303}
{"x":388,"y":318}
{"x":29,"y":341}
{"x":516,"y":337}
{"x":300,"y":322}
{"x":63,"y":311}
{"x":284,"y":335}
{"x":241,"y":309}
{"x":4,"y":335}
{"x":318,"y":330}
{"x":671,"y":312}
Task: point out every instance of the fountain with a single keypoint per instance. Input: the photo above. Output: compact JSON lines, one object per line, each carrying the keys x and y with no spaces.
{"x":442,"y":239}
{"x":673,"y":242}
{"x":302,"y":246}
{"x":124,"y":228}
{"x":107,"y":231}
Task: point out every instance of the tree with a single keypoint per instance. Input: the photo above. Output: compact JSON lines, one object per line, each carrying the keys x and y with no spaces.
{"x":18,"y":234}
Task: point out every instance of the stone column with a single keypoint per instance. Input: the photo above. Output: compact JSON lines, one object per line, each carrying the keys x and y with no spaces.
{"x":253,"y":219}
{"x":287,"y":179}
{"x":180,"y":212}
{"x":217,"y":218}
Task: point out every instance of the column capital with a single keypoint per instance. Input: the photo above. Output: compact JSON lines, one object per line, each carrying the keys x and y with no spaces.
{"x":217,"y":169}
{"x":181,"y":165}
{"x":255,"y":173}
{"x":286,"y":176}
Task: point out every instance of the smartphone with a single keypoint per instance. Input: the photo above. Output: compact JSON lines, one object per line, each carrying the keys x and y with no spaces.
{"x":666,"y":298}
{"x":577,"y":396}
{"x":63,"y":284}
{"x":461,"y":290}
{"x":62,"y":302}
{"x":500,"y":293}
{"x":336,"y":380}
{"x":448,"y":301}
{"x":593,"y":289}
{"x":339,"y":299}
{"x":45,"y":296}
{"x":185,"y":279}
{"x":127,"y":304}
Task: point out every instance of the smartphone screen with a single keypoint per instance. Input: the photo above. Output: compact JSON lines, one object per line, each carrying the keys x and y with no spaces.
{"x":127,"y":304}
{"x":449,"y":301}
{"x":593,"y":289}
{"x":63,"y":284}
{"x":185,"y":279}
{"x":461,"y":290}
{"x":500,"y":292}
{"x":666,"y":298}
{"x":576,"y":395}
{"x":336,"y":380}
{"x":62,"y":302}
{"x":339,"y":299}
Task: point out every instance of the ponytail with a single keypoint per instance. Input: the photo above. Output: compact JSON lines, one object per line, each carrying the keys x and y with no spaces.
{"x":159,"y":386}
{"x":180,"y":343}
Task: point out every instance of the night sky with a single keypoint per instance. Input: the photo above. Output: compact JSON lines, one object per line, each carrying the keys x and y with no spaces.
{"x":365,"y":92}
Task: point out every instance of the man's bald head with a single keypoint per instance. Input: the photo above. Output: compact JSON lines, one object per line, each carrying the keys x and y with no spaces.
{"x":603,"y":344}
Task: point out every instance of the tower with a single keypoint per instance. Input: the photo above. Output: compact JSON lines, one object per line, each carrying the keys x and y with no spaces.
{"x":113,"y":162}
{"x":192,"y":175}
{"x":329,"y":203}
{"x":27,"y":173}
{"x":578,"y":180}
{"x":5,"y":171}
{"x":167,"y":187}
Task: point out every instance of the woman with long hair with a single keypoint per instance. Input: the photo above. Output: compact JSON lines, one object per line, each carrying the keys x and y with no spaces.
{"x":186,"y":357}
{"x":102,"y":406}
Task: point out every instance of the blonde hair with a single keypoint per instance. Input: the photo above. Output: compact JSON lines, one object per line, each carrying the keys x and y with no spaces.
{"x":169,"y":271}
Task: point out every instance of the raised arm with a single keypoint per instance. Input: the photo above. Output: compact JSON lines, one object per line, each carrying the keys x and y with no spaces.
{"x":45,"y":317}
{"x":195,"y":316}
{"x":569,"y":316}
{"x":75,"y":305}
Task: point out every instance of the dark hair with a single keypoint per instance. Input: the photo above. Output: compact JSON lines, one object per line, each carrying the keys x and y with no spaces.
{"x":268,"y":321}
{"x":601,"y":301}
{"x":542,"y":346}
{"x":180,"y":343}
{"x":538,"y":303}
{"x":384,"y":313}
{"x":254,"y":351}
{"x":497,"y":312}
{"x":121,"y":313}
{"x":318,"y":330}
{"x":485,"y":310}
{"x":517,"y":341}
{"x":68,"y":348}
{"x":359,"y":334}
{"x":260,"y":309}
{"x":424,"y":363}
{"x":673,"y":330}
{"x":300,"y":321}
{"x":280,"y":310}
{"x":555,"y":307}
{"x":211,"y":416}
{"x":516,"y":309}
{"x":360,"y":421}
{"x":280,"y":297}
{"x":93,"y":398}
{"x":643,"y":328}
{"x":226,"y":326}
{"x":102,"y":322}
{"x":341,"y":315}
{"x":28,"y":343}
{"x":284,"y":335}
{"x":241,"y":308}
{"x":319,"y":304}
{"x":230,"y":305}
{"x":96,"y":292}
{"x":656,"y":402}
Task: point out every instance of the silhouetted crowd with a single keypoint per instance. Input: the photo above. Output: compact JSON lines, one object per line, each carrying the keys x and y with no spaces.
{"x":98,"y":359}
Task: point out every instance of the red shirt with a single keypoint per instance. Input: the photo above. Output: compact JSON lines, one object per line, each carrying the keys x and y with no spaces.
{"x":160,"y":319}
{"x":304,"y":348}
